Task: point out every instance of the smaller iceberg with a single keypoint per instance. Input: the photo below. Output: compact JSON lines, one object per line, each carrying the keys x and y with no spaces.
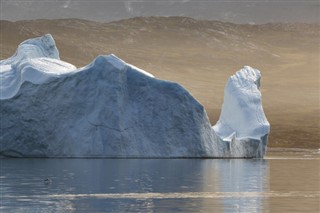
{"x":109,"y":108}
{"x":242,"y":123}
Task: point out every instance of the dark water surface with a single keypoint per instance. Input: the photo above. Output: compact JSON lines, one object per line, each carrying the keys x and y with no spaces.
{"x":283,"y":182}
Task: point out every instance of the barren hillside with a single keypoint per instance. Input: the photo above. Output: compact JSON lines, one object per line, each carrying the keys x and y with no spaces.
{"x":201,"y":55}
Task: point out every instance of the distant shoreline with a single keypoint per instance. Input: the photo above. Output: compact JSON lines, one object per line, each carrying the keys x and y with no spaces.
{"x":165,"y":17}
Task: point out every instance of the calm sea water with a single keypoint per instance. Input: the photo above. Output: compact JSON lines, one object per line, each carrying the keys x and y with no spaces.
{"x":283,"y":182}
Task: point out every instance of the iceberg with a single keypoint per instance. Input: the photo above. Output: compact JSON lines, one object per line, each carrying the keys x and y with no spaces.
{"x":242,"y":123}
{"x":109,"y":108}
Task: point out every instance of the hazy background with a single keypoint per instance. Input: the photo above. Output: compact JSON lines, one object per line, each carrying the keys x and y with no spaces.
{"x":240,"y":11}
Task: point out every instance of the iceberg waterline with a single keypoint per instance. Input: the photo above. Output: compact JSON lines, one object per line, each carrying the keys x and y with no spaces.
{"x":109,"y":108}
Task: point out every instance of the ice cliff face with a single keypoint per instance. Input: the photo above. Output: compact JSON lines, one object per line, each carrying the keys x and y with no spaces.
{"x":110,"y":108}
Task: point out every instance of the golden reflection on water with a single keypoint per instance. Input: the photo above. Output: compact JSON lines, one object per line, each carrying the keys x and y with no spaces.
{"x":295,"y":171}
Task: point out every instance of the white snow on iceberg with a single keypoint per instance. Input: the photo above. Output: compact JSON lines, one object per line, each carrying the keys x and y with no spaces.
{"x":242,"y":122}
{"x":35,"y":61}
{"x":109,"y":108}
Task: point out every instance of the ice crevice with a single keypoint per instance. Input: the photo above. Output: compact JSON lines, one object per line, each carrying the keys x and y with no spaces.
{"x":108,"y":127}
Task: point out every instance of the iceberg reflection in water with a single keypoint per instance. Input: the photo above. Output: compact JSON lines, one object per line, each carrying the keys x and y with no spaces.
{"x":247,"y":178}
{"x":133,"y":185}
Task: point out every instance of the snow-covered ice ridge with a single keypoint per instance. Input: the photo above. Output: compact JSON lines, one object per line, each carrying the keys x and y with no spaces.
{"x":50,"y":108}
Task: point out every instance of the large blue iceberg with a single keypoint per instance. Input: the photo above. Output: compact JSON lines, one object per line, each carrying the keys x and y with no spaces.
{"x":50,"y":108}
